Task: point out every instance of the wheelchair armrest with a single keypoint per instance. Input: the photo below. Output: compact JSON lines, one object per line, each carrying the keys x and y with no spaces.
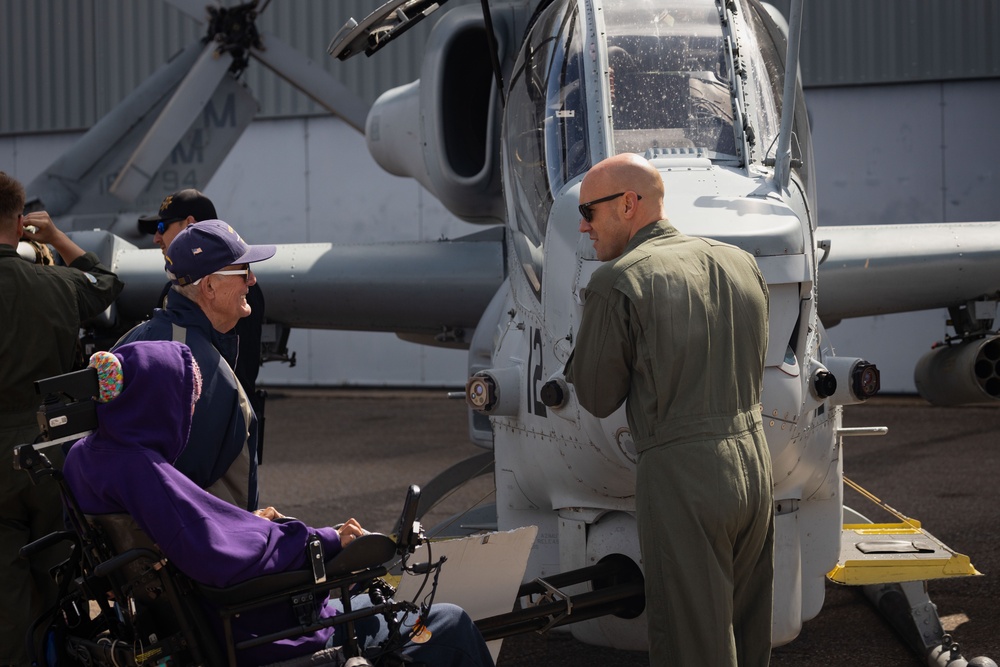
{"x":121,"y":560}
{"x":366,"y":552}
{"x":30,"y":549}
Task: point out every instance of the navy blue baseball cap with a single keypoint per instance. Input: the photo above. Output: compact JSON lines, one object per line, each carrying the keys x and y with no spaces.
{"x":207,"y":247}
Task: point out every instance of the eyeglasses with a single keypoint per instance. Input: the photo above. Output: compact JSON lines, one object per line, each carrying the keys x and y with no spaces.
{"x":230,"y":272}
{"x":162,"y":225}
{"x":234,"y":272}
{"x":588,"y":215}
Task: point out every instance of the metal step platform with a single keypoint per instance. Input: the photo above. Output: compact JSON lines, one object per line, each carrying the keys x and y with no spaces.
{"x":882,"y":553}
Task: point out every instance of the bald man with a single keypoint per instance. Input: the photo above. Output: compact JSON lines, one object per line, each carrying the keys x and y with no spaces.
{"x":677,"y":325}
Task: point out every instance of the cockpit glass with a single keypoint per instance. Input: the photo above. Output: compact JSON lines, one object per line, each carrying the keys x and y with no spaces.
{"x":669,"y":77}
{"x":546,"y":138}
{"x":567,"y":147}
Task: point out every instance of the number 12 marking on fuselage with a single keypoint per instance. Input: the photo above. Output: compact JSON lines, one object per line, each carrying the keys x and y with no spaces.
{"x":535,"y":406}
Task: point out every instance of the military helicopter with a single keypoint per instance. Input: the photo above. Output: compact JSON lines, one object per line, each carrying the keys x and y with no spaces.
{"x":512,"y":107}
{"x":698,"y":87}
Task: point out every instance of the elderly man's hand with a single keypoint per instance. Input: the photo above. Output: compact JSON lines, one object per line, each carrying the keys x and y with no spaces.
{"x":269,"y":513}
{"x":349,"y":531}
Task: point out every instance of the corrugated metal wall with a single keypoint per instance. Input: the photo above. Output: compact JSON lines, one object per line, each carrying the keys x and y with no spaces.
{"x":852,"y":42}
{"x":66,"y":63}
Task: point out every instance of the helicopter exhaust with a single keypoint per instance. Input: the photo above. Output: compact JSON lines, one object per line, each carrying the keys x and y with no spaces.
{"x":961,"y":374}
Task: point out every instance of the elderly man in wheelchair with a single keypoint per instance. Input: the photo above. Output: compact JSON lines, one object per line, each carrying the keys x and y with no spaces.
{"x":179,"y":577}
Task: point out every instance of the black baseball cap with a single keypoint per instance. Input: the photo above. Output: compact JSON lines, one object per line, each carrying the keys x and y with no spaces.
{"x":179,"y":206}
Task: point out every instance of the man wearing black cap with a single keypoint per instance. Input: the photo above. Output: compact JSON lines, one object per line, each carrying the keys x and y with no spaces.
{"x":177,"y":212}
{"x":209,"y":269}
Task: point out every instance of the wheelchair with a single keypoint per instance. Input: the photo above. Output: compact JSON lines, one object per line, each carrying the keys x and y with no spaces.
{"x":122,"y":603}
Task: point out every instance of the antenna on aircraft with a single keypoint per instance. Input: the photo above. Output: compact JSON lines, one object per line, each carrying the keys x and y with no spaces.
{"x":491,"y":37}
{"x":783,"y":155}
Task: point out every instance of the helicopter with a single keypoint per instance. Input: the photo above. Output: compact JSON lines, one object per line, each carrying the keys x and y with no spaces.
{"x":698,"y":88}
{"x":511,"y":109}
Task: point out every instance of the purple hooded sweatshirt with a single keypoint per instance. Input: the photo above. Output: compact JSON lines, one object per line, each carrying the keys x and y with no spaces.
{"x":126,"y":467}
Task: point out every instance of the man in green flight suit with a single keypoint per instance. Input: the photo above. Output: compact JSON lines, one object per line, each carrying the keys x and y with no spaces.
{"x":678,"y":326}
{"x":42,"y":308}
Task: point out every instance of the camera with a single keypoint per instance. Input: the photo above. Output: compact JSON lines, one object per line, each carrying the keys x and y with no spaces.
{"x":68,"y":410}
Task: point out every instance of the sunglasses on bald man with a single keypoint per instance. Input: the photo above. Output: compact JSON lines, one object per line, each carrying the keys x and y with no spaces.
{"x":588,"y":215}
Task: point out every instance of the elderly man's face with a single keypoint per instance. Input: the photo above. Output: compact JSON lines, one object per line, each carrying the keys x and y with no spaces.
{"x":230,"y":303}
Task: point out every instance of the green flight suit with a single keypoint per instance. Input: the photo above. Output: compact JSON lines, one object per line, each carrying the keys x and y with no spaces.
{"x":42,"y":308}
{"x":678,"y":326}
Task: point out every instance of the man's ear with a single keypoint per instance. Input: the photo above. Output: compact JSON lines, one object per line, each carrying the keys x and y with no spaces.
{"x":206,"y":288}
{"x":630,"y":205}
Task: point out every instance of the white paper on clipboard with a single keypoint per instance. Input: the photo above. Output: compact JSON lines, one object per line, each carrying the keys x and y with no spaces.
{"x":482,"y":573}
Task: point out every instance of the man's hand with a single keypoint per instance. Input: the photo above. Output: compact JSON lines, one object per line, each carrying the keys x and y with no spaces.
{"x":269,"y":513}
{"x":38,"y":226}
{"x":349,"y":531}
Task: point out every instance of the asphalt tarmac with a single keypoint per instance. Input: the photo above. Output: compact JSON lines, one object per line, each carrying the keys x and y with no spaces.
{"x":331,"y":454}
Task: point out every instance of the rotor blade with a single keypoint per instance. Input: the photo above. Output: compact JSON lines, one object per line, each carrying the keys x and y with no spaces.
{"x":196,"y":9}
{"x":173,"y":122}
{"x":313,"y":80}
{"x":62,"y":185}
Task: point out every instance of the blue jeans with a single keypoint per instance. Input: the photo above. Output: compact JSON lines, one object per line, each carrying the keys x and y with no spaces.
{"x":454,"y":642}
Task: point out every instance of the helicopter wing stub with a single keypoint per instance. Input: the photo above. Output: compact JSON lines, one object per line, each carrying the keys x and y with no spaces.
{"x":184,"y":106}
{"x":434,"y":288}
{"x":882,"y":269}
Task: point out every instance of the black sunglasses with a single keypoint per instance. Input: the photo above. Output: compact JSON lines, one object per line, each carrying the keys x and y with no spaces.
{"x":162,"y":225}
{"x":585,"y":208}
